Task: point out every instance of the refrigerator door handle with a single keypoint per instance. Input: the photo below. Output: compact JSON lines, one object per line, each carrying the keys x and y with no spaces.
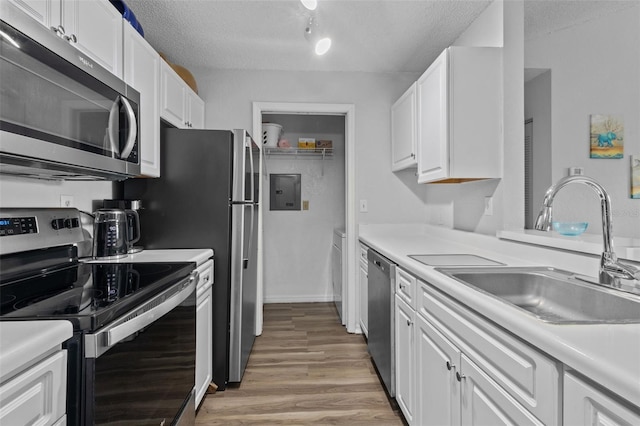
{"x":250,"y":245}
{"x":251,"y":179}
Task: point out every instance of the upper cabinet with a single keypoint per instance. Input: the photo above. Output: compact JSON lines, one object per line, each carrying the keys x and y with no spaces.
{"x":179,"y":104}
{"x":459,"y":112}
{"x":404,"y":131}
{"x":93,"y":26}
{"x":141,"y":71}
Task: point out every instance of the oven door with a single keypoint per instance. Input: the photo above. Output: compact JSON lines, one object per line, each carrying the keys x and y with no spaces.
{"x":140,"y":370}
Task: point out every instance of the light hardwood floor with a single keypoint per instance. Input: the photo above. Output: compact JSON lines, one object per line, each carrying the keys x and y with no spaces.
{"x":304,"y":369}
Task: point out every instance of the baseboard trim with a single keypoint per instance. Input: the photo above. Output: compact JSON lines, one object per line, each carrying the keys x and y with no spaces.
{"x":298,"y":299}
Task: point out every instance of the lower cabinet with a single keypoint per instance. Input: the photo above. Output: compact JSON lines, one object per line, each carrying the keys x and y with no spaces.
{"x":453,"y":367}
{"x":204,"y":330}
{"x":405,"y":357}
{"x":586,"y":405}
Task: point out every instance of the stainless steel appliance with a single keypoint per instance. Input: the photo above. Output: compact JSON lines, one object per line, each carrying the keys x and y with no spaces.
{"x":61,"y":115}
{"x":206,"y":198}
{"x":114,"y":232}
{"x":381,"y":289}
{"x":131,"y":359}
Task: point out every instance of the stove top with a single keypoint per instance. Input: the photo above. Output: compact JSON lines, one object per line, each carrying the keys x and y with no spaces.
{"x":88,"y":295}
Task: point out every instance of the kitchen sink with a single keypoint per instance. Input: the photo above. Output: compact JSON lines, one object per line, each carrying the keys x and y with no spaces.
{"x":551,"y":295}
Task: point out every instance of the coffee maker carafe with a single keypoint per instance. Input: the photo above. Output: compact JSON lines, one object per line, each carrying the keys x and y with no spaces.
{"x":112,"y":233}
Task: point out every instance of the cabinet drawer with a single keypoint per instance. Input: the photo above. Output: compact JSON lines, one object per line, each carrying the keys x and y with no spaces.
{"x":363,"y":256}
{"x":586,"y":405}
{"x":525,"y":373}
{"x":406,"y":287}
{"x":37,"y":395}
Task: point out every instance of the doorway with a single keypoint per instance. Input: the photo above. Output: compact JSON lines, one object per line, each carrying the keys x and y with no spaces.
{"x":307,"y":120}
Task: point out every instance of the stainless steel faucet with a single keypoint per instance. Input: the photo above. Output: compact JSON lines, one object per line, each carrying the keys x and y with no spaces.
{"x":612,"y":271}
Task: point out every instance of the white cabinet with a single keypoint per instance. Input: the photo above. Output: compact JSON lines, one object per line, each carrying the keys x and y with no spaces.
{"x":36,"y":395}
{"x":364,"y":290}
{"x":93,"y":26}
{"x":404,"y":131}
{"x":204,"y":330}
{"x":471,"y":372}
{"x":459,"y":114}
{"x":141,"y":71}
{"x":194,"y":109}
{"x":179,"y":104}
{"x":585,"y":405}
{"x":404,"y":358}
{"x":435,"y":374}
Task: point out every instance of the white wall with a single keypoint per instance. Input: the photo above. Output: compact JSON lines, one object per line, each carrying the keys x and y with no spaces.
{"x":297,"y":244}
{"x":392,"y":198}
{"x":595,"y":68}
{"x":24,"y":192}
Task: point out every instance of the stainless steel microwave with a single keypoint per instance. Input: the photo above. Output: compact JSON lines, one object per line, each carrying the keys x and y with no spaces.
{"x":62,"y":116}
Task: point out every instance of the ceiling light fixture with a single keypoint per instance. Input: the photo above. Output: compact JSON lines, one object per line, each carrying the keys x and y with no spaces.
{"x":310,"y":4}
{"x":321,"y":43}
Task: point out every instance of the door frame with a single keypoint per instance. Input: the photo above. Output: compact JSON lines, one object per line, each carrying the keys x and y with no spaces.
{"x":351,"y":218}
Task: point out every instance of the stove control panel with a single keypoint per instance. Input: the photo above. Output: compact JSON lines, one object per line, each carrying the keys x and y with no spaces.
{"x":18,"y":225}
{"x":23,"y":229}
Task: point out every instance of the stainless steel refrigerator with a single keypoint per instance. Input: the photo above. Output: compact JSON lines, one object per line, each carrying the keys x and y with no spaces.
{"x":206,"y":197}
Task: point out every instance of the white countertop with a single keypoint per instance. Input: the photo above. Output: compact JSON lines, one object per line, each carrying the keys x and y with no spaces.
{"x":22,"y":343}
{"x":165,"y":255}
{"x":607,"y":353}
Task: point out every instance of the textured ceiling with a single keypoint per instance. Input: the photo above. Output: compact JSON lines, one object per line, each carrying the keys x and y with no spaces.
{"x":368,"y":35}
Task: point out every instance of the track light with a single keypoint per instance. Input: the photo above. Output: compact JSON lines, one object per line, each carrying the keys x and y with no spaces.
{"x":321,"y":43}
{"x":310,"y":4}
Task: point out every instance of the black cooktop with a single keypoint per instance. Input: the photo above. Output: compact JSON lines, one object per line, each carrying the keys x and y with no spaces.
{"x":88,"y":295}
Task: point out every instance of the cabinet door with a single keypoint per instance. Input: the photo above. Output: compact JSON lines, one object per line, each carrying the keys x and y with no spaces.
{"x":433,"y":122}
{"x":588,"y":406}
{"x":484,"y":402}
{"x":404,"y":354}
{"x":47,"y":12}
{"x":364,"y":295}
{"x":195,"y":110}
{"x":95,"y":28}
{"x":172,"y":94}
{"x":437,"y":390}
{"x":204,"y":354}
{"x":403,"y":131}
{"x":141,"y":71}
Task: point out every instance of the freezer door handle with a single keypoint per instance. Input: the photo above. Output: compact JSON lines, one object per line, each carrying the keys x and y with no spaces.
{"x":245,"y":263}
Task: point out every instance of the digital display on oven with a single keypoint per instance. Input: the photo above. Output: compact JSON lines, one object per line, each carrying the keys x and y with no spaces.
{"x":18,"y":226}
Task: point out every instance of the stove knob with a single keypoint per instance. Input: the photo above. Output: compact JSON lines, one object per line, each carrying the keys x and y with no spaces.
{"x":71,"y":223}
{"x":57,"y":223}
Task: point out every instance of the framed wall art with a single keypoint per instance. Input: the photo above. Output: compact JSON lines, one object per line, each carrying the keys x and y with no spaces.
{"x":607,"y":136}
{"x":635,"y":176}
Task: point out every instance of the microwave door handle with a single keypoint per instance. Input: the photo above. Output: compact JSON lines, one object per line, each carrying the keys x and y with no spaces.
{"x":112,"y":130}
{"x":133,"y":130}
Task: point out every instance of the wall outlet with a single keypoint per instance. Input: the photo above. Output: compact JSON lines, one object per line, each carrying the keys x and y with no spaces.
{"x":305,"y":204}
{"x":66,"y":201}
{"x":364,"y":207}
{"x":488,"y":206}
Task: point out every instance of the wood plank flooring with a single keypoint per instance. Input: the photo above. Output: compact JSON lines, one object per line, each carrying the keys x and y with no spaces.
{"x":304,"y":369}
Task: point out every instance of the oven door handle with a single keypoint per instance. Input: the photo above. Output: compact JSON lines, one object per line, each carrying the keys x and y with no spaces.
{"x":99,"y":343}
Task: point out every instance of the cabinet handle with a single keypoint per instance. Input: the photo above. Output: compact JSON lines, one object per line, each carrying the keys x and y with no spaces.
{"x":460,"y":376}
{"x":59,"y":30}
{"x":450,"y":366}
{"x":409,"y":322}
{"x":71,"y":39}
{"x":401,"y":286}
{"x":413,"y":155}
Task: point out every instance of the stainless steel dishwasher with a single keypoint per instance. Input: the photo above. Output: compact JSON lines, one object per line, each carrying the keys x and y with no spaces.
{"x":381,"y":286}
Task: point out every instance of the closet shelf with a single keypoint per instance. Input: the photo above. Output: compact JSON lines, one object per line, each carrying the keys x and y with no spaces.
{"x":300,"y":152}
